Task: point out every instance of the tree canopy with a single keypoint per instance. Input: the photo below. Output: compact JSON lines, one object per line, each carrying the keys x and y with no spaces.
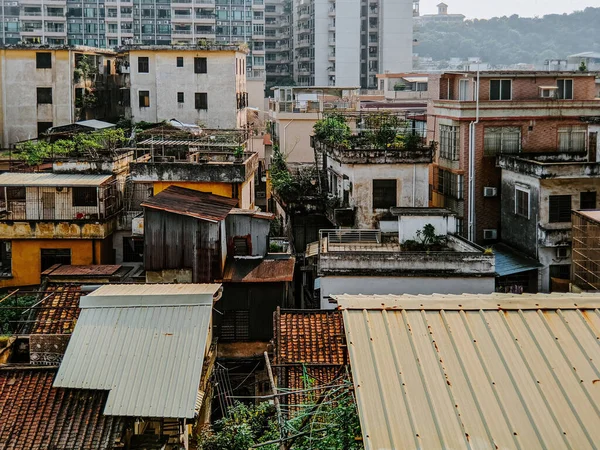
{"x":512,"y":40}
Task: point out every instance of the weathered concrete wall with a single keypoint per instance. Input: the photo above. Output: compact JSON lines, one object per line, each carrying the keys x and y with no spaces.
{"x":408,"y":226}
{"x":164,"y":80}
{"x":294,"y":139}
{"x":412,"y":184}
{"x":56,"y":230}
{"x":333,"y":285}
{"x":183,"y":171}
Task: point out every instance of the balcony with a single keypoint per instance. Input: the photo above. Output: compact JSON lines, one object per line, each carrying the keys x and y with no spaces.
{"x":553,"y":165}
{"x":554,"y":235}
{"x":369,"y":253}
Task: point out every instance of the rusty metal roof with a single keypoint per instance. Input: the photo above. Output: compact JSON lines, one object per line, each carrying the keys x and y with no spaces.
{"x":475,"y":372}
{"x":259,"y":270}
{"x":43,"y":179}
{"x":36,"y":416}
{"x":82,"y":270}
{"x":187,"y":202}
{"x":57,"y":312}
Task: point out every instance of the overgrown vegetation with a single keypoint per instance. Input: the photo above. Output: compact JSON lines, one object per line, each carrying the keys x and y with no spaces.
{"x":427,"y":240}
{"x":9,"y":316}
{"x":292,"y":187}
{"x":35,"y":152}
{"x":375,"y":131}
{"x":512,"y":40}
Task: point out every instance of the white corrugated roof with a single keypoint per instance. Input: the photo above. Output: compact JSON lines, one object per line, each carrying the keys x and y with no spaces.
{"x":476,"y":372}
{"x":96,"y":124}
{"x":145,"y":344}
{"x":51,"y":179}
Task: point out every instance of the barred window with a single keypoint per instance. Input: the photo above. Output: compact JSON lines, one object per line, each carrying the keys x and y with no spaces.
{"x":560,"y":208}
{"x":572,"y":139}
{"x":384,"y":194}
{"x":501,"y":140}
{"x":85,"y":196}
{"x":449,"y":142}
{"x":450,"y":183}
{"x":522,"y":202}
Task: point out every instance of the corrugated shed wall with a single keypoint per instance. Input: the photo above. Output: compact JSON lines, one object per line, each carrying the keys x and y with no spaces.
{"x":246,"y":225}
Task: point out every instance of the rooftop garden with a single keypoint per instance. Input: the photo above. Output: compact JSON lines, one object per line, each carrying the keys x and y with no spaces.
{"x":374,"y":131}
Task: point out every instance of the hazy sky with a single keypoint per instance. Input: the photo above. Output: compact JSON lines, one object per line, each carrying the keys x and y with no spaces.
{"x":484,"y":9}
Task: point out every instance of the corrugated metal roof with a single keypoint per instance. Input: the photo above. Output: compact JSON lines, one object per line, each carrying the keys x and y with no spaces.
{"x":476,"y":372}
{"x":187,"y":202}
{"x":145,"y":345}
{"x":96,"y":124}
{"x":594,"y":215}
{"x":51,"y":179}
{"x":82,"y":270}
{"x":259,"y":270}
{"x":255,"y":213}
{"x":509,"y":262}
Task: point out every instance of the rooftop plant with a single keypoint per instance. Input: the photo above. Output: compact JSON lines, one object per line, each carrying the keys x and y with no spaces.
{"x":427,"y":240}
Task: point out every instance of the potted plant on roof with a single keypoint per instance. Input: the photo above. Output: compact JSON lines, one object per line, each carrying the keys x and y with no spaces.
{"x":238,"y":153}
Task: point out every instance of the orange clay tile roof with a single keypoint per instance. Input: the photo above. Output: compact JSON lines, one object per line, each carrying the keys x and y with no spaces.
{"x":58,"y":312}
{"x":36,"y":416}
{"x":310,"y":337}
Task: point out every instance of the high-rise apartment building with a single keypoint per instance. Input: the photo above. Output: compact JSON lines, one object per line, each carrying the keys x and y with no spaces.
{"x":113,"y":23}
{"x":348,"y":42}
{"x":278,"y":41}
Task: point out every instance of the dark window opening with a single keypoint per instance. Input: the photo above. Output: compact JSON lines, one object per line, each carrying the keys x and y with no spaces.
{"x":200,"y":65}
{"x":561,"y":271}
{"x":180,"y":61}
{"x":43,"y":60}
{"x":384,"y":194}
{"x":51,"y":256}
{"x":5,"y":258}
{"x":560,"y":208}
{"x":180,"y":97}
{"x":587,"y":200}
{"x":42,"y":127}
{"x":144,"y":99}
{"x":500,"y":89}
{"x":133,"y":250}
{"x":201,"y":100}
{"x":143,"y":64}
{"x":85,"y":196}
{"x":235,"y":326}
{"x":44,"y":96}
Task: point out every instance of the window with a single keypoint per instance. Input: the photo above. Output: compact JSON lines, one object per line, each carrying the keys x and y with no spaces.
{"x":143,"y":64}
{"x":5,"y":258}
{"x":587,"y":200}
{"x":44,"y":96}
{"x":572,"y":139}
{"x":85,"y":196}
{"x":51,"y":256}
{"x":384,"y":194}
{"x":180,"y":61}
{"x":43,"y":60}
{"x":501,"y":140}
{"x":42,"y":127}
{"x":463,"y":90}
{"x":200,"y":65}
{"x":560,"y":208}
{"x":133,"y":250}
{"x":561,"y":271}
{"x":144,"y":97}
{"x":500,"y":90}
{"x":201,"y":100}
{"x":449,"y":142}
{"x":565,"y":89}
{"x":522,"y":202}
{"x":448,"y":183}
{"x":180,"y":97}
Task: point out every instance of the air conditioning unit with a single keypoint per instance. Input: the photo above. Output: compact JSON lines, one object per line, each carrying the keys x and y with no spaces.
{"x":490,"y":191}
{"x":563,"y":252}
{"x":490,"y":235}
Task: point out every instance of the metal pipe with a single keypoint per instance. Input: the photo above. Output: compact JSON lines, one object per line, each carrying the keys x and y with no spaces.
{"x":472,"y":125}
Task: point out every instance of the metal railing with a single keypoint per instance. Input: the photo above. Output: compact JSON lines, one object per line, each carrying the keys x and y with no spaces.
{"x":350,"y":240}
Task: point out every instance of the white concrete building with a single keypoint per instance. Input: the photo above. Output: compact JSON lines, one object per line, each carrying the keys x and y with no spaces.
{"x":346,"y":42}
{"x":204,"y":85}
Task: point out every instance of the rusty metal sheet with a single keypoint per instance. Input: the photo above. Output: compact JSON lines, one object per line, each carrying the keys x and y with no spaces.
{"x":522,"y":376}
{"x":259,"y":270}
{"x":41,"y":179}
{"x":82,"y":270}
{"x":188,"y":202}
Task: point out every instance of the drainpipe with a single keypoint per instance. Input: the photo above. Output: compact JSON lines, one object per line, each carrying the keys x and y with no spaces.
{"x":472,"y":126}
{"x":414,"y":187}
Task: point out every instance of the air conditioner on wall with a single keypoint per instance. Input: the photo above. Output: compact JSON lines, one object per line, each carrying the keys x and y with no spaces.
{"x":490,"y":235}
{"x":563,"y":252}
{"x":490,"y":191}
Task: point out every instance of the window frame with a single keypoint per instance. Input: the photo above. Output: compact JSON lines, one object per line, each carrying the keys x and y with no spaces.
{"x":43,"y":92}
{"x":144,"y":95}
{"x":501,"y":90}
{"x":570,"y":132}
{"x":500,"y":137}
{"x":39,"y":61}
{"x":180,"y":97}
{"x":199,"y":103}
{"x":179,"y":61}
{"x":449,"y":142}
{"x":559,"y":215}
{"x":518,"y":210}
{"x":585,"y":204}
{"x":54,"y":253}
{"x":200,"y":65}
{"x":87,"y":197}
{"x":465,"y":83}
{"x":386,"y":190}
{"x":561,"y":95}
{"x":143,"y":64}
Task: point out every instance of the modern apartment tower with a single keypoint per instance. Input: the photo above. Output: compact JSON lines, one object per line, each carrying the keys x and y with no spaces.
{"x":348,"y":42}
{"x":278,"y":41}
{"x":113,"y":23}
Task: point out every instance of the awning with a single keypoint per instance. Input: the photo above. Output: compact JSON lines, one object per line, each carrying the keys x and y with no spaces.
{"x":417,"y":79}
{"x":508,"y":262}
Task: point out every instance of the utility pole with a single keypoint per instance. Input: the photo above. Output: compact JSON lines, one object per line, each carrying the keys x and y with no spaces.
{"x":276,"y":402}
